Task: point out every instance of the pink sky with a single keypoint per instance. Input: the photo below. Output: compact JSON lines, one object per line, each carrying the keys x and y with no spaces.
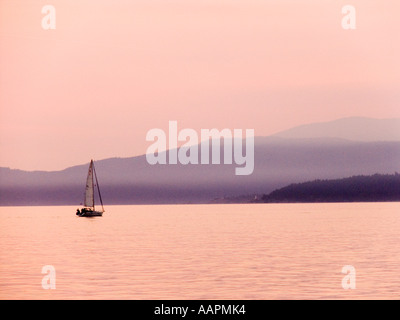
{"x":113,"y":70}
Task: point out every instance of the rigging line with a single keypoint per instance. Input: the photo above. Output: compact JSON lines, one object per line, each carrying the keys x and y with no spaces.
{"x":98,"y":187}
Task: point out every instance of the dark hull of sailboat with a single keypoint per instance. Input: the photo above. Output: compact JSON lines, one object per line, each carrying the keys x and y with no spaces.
{"x":91,"y":214}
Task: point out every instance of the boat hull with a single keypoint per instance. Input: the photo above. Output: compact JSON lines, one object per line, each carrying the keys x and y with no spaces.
{"x":91,"y":214}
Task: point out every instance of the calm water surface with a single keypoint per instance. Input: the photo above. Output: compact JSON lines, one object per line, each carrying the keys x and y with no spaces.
{"x":260,"y":251}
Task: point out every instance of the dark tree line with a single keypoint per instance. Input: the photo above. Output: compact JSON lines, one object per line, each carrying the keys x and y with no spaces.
{"x":378,"y":187}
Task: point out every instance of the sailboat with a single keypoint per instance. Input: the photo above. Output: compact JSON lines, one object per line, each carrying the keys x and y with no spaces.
{"x":89,"y":209}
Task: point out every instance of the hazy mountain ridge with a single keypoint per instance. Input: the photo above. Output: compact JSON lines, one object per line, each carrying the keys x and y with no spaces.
{"x":279,"y":161}
{"x":376,"y":187}
{"x":353,"y":128}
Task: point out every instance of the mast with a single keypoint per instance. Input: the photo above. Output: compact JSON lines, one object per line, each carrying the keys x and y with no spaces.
{"x":92,"y":165}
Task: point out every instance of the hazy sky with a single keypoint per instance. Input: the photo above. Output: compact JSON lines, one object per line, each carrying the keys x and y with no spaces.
{"x":112,"y":70}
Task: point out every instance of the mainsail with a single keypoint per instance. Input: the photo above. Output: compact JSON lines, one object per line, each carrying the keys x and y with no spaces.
{"x":89,"y":196}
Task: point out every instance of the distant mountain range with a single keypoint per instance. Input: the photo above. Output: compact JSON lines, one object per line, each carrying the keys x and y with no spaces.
{"x":376,"y":187}
{"x":355,"y":128}
{"x":331,"y":150}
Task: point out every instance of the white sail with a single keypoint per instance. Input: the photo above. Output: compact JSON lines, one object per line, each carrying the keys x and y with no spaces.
{"x":89,"y":196}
